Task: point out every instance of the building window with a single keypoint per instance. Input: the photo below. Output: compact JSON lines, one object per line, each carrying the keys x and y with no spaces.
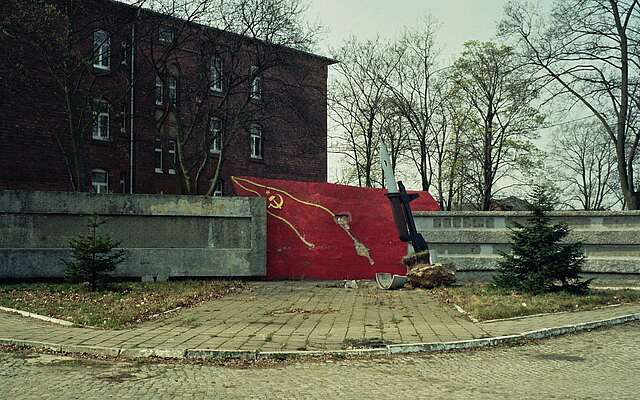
{"x":123,"y":114}
{"x":217,"y":190}
{"x":256,"y":83}
{"x":158,"y":156}
{"x":159,"y":98}
{"x":216,"y":74}
{"x":124,"y":53}
{"x":100,"y":181}
{"x":101,"y":120}
{"x":215,"y":125}
{"x":123,"y":182}
{"x":101,"y":49}
{"x":171,"y":149}
{"x":166,"y":34}
{"x":173,"y":90}
{"x":256,"y":141}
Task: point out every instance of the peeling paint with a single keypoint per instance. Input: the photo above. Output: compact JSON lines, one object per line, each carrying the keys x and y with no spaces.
{"x":361,"y":249}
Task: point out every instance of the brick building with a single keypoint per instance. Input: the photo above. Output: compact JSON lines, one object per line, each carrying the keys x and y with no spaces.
{"x":156,"y":104}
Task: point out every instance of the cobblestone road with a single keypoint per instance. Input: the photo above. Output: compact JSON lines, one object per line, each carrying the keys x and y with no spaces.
{"x":597,"y":365}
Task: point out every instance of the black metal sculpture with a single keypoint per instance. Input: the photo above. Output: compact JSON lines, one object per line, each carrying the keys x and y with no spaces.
{"x":403,"y":217}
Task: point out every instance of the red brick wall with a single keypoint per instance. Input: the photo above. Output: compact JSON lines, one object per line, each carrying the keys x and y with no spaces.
{"x":295,"y":134}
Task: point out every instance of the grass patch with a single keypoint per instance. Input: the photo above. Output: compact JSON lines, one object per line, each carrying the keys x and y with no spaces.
{"x":120,"y":305}
{"x":486,"y":302}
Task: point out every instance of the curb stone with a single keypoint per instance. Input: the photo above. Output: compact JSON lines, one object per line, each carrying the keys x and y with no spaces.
{"x":204,"y":354}
{"x":37,"y":316}
{"x":563,"y":330}
{"x":152,"y":353}
{"x":491,"y":321}
{"x":94,"y":350}
{"x":220,"y":354}
{"x":320,"y":353}
{"x":457,"y":345}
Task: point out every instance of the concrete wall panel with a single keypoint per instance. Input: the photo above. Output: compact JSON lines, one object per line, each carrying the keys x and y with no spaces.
{"x":165,"y":236}
{"x":473,"y":240}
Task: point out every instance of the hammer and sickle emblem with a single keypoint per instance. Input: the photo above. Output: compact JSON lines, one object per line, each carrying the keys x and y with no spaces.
{"x":275,"y":200}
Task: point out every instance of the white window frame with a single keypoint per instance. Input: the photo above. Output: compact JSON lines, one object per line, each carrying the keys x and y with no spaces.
{"x":218,"y":189}
{"x":172,"y":89}
{"x":100,"y":187}
{"x":166,"y":34}
{"x":123,"y":182}
{"x":124,"y":53}
{"x":101,"y":129}
{"x":171,"y":149}
{"x":159,"y":91}
{"x":158,"y":150}
{"x":216,"y":74}
{"x":101,"y":50}
{"x":216,"y":134}
{"x":256,"y":83}
{"x":256,"y":138}
{"x":124,"y":115}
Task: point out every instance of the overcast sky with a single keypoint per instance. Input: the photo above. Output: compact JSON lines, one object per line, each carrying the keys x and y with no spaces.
{"x":460,"y":21}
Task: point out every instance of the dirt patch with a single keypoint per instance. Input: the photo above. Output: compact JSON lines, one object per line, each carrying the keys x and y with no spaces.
{"x":68,"y":362}
{"x":285,"y":311}
{"x":560,"y":357}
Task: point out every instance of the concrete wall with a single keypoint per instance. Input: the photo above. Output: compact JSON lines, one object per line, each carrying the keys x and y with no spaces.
{"x":165,"y":236}
{"x":472,"y":240}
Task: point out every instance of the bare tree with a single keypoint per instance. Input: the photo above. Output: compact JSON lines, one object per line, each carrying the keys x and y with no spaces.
{"x":226,"y":93}
{"x":590,"y":49}
{"x":172,"y":55}
{"x":499,"y":94}
{"x":423,"y":98}
{"x":395,"y":132}
{"x":418,"y":94}
{"x":59,"y":41}
{"x":357,"y":101}
{"x":583,"y":163}
{"x":448,"y":155}
{"x":54,"y":49}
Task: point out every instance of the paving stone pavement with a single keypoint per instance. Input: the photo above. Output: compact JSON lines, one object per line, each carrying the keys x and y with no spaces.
{"x":603,"y":364}
{"x":278,"y":316}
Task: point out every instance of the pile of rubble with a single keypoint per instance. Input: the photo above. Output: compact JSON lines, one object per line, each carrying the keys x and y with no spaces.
{"x":423,"y":274}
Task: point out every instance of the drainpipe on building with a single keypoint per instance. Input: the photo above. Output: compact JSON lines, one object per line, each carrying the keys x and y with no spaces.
{"x":131,"y":103}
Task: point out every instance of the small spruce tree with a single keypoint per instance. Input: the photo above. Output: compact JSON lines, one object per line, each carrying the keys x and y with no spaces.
{"x":93,"y":256}
{"x":540,"y":260}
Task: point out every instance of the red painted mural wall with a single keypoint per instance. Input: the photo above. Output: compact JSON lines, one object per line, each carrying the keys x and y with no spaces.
{"x":323,"y":231}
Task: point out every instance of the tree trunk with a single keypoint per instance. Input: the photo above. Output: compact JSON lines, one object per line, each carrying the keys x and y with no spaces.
{"x":216,"y":175}
{"x":632,"y":199}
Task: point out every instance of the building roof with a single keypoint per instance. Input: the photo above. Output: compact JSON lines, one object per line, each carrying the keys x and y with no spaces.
{"x":511,"y":203}
{"x":326,"y":60}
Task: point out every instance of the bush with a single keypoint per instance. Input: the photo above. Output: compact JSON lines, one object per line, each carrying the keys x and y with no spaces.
{"x":93,"y":256}
{"x":541,"y":261}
